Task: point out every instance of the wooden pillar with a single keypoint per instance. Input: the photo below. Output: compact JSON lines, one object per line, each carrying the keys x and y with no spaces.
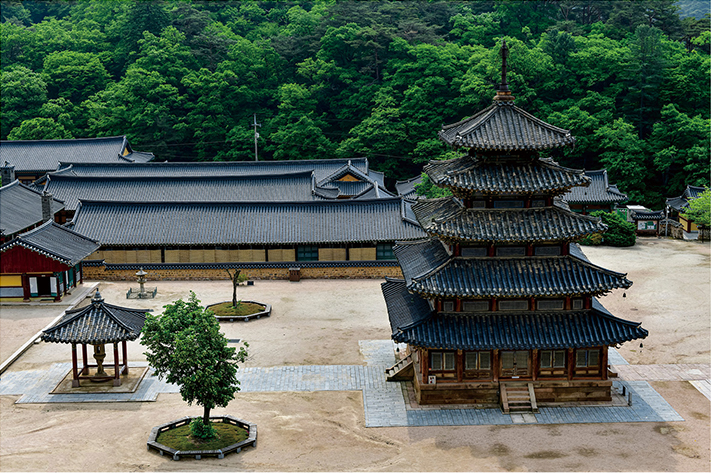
{"x":571,"y":363}
{"x":495,"y":365}
{"x":85,"y":358}
{"x":492,"y":250}
{"x":425,"y":362}
{"x":494,"y":305}
{"x":75,"y":373}
{"x":588,"y":302}
{"x":532,"y":304}
{"x":457,"y":305}
{"x":25,"y":288}
{"x":568,"y":303}
{"x":565,"y":249}
{"x":529,"y":250}
{"x":603,"y":362}
{"x":117,"y":373}
{"x":125,"y":358}
{"x":534,"y":364}
{"x":460,"y":366}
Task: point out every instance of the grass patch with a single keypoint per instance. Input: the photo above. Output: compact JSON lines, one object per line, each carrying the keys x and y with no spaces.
{"x":181,"y":439}
{"x":245,"y":308}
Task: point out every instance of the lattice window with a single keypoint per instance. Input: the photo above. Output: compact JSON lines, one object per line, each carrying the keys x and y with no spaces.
{"x":517,"y":304}
{"x":475,"y":306}
{"x":550,"y":304}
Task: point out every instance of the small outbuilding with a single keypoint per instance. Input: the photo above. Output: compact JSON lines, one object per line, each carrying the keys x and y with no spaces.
{"x":44,"y":263}
{"x":647,"y":222}
{"x":97,"y":324}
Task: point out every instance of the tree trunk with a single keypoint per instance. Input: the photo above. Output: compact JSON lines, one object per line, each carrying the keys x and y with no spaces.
{"x":206,"y":416}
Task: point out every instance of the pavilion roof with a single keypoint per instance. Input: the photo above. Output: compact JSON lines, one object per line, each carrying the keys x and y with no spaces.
{"x":56,"y":242}
{"x":407,"y":188}
{"x":97,"y":323}
{"x":413,"y":322}
{"x":476,"y":175}
{"x":448,"y":219}
{"x":433,"y":273}
{"x":505,"y":127}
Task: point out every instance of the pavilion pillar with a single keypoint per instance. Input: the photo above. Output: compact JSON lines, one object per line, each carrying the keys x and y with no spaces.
{"x":603,"y":362}
{"x":125,"y":359}
{"x":425,"y":363}
{"x":534,"y":364}
{"x":75,"y":372}
{"x":571,"y":364}
{"x":117,"y":373}
{"x":495,"y":365}
{"x":85,"y":357}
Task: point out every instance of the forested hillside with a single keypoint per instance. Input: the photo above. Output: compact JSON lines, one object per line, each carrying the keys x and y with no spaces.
{"x":182,"y":79}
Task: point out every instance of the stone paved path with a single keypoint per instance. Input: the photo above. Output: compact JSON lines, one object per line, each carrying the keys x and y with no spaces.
{"x":384,"y":403}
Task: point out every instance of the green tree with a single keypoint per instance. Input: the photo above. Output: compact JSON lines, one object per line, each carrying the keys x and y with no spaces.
{"x":619,"y":231}
{"x":74,"y":76}
{"x":39,"y":129}
{"x":22,"y":93}
{"x":185,"y":346}
{"x":699,"y":210}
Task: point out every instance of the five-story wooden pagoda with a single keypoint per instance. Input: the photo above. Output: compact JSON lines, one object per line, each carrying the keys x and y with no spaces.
{"x":500,"y":298}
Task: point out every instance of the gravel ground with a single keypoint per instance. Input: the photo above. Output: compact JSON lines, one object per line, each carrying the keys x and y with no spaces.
{"x":320,"y":322}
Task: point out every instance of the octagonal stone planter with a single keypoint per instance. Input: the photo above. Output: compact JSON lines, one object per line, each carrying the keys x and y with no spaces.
{"x":244,"y":318}
{"x":250,"y":441}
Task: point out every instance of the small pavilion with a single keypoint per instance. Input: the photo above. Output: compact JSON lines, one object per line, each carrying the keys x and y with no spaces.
{"x":97,"y":324}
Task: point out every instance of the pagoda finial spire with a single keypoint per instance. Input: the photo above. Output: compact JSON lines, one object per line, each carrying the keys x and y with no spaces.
{"x":503,"y":93}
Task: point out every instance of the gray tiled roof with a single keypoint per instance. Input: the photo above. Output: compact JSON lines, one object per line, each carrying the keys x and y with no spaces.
{"x":651,"y":215}
{"x":599,"y":191}
{"x":367,"y":182}
{"x":504,"y":126}
{"x":245,"y":223}
{"x":265,"y":188}
{"x":470,"y":174}
{"x":56,"y":242}
{"x":321,"y":168}
{"x":690,"y":193}
{"x":517,"y":277}
{"x":45,"y":155}
{"x":430,"y":271}
{"x":449,"y":220}
{"x":21,"y":207}
{"x":97,"y":323}
{"x":414,"y":323}
{"x":407,"y":188}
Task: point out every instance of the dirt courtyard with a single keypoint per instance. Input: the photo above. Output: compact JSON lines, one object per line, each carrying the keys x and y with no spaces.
{"x":319,"y":322}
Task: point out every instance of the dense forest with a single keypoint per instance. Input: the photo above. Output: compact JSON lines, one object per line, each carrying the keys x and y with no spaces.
{"x":326,"y":79}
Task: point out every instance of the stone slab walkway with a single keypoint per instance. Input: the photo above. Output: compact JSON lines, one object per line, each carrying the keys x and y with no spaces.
{"x":384,"y":402}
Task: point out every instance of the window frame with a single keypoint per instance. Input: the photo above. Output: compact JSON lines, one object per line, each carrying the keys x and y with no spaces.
{"x":307,"y":253}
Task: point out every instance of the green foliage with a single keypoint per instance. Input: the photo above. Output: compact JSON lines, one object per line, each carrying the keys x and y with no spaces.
{"x":619,"y":231}
{"x":185,"y":346}
{"x":201,"y":430}
{"x":699,"y":210}
{"x":592,"y":240}
{"x":378,"y":79}
{"x":428,"y":190}
{"x":40,"y":129}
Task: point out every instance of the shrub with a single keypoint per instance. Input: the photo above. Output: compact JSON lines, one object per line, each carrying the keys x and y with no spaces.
{"x":592,"y":240}
{"x":619,"y":231}
{"x":200,"y":430}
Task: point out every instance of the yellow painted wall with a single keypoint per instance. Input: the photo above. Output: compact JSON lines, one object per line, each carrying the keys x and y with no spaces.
{"x":349,"y":178}
{"x":282,"y":254}
{"x":10,"y":281}
{"x":331,"y":254}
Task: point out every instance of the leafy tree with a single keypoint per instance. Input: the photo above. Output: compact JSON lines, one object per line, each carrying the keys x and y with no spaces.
{"x":74,"y":76}
{"x":619,"y":231}
{"x":39,"y":129}
{"x":22,"y":93}
{"x":428,"y":190}
{"x":185,"y":346}
{"x":699,"y":210}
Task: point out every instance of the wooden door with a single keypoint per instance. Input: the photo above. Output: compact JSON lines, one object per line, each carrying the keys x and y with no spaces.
{"x":515,"y":364}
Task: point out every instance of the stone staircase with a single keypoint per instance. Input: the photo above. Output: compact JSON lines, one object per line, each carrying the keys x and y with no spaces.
{"x":518,"y":398}
{"x":403,"y":370}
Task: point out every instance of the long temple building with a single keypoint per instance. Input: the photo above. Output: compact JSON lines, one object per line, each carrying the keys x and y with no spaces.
{"x":498,"y":306}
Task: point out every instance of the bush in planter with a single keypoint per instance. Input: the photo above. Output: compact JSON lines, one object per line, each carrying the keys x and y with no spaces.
{"x":200,"y":430}
{"x":619,"y":231}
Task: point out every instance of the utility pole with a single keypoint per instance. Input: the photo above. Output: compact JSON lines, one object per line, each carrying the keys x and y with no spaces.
{"x":256,"y":137}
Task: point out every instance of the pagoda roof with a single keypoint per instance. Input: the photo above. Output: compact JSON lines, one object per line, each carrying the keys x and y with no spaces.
{"x":413,"y":322}
{"x":56,"y":242}
{"x":440,"y":275}
{"x":486,"y":176}
{"x":448,"y":219}
{"x":600,"y":191}
{"x":97,"y":323}
{"x":505,"y":127}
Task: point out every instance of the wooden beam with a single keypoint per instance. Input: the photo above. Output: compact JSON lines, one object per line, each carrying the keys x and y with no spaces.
{"x":75,"y":373}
